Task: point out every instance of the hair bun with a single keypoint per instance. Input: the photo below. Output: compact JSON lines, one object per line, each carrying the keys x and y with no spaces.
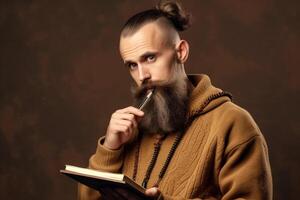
{"x":174,"y":12}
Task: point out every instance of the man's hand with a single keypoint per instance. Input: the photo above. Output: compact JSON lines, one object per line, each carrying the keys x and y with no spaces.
{"x":153,"y":192}
{"x":122,"y":127}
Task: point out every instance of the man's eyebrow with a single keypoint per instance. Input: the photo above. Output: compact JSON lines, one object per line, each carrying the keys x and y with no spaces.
{"x":126,"y":62}
{"x":148,"y":53}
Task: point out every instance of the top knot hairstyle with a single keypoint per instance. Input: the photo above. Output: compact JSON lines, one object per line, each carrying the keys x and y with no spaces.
{"x":170,"y":10}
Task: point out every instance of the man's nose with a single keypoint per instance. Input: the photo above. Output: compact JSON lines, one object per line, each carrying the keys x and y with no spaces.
{"x":143,"y":73}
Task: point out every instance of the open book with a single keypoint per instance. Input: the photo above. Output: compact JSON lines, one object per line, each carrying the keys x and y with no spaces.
{"x":110,"y":185}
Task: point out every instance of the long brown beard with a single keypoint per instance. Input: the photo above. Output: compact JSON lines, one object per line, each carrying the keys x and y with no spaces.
{"x":166,"y":111}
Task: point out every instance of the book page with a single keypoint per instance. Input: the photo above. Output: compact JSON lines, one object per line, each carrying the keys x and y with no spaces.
{"x":108,"y":175}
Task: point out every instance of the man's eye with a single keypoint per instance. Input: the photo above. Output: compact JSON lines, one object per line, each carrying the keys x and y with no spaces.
{"x":151,"y":58}
{"x":132,"y":65}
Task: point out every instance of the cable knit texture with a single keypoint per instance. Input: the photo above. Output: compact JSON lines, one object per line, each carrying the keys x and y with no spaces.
{"x":222,"y":154}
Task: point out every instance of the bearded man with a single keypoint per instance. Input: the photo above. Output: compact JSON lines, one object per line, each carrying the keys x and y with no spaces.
{"x":189,"y":141}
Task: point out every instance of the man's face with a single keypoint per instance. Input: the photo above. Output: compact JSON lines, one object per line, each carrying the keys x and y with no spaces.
{"x":153,"y":61}
{"x":148,"y":54}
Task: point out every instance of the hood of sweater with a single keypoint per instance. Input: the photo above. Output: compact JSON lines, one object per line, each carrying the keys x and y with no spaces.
{"x":204,"y":97}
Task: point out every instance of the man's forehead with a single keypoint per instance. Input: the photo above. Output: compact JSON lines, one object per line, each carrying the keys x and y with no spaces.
{"x":150,"y":37}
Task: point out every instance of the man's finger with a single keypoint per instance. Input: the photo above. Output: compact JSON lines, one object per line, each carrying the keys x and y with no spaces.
{"x":123,"y":116}
{"x":131,"y":110}
{"x":152,"y":192}
{"x":126,"y":116}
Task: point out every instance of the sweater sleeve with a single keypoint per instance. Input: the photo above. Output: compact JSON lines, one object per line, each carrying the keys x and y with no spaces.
{"x":246,"y":172}
{"x":243,"y":170}
{"x":104,"y":160}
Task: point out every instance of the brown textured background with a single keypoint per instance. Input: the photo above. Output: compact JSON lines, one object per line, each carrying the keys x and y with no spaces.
{"x":61,"y":77}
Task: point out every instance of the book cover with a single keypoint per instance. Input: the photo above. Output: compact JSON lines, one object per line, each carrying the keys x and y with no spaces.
{"x":110,"y":185}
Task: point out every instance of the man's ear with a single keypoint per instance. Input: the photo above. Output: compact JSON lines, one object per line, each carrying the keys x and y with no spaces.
{"x":182,"y":50}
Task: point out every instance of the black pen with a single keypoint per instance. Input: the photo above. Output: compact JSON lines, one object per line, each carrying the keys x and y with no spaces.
{"x":147,"y":99}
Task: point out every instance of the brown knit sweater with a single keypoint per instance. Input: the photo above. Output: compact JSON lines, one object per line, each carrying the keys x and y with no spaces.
{"x":222,"y":154}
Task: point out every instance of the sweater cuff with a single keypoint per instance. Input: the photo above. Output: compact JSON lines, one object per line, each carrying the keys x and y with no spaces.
{"x":106,"y":159}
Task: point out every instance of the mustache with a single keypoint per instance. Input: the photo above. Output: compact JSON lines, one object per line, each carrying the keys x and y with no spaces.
{"x":142,"y":90}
